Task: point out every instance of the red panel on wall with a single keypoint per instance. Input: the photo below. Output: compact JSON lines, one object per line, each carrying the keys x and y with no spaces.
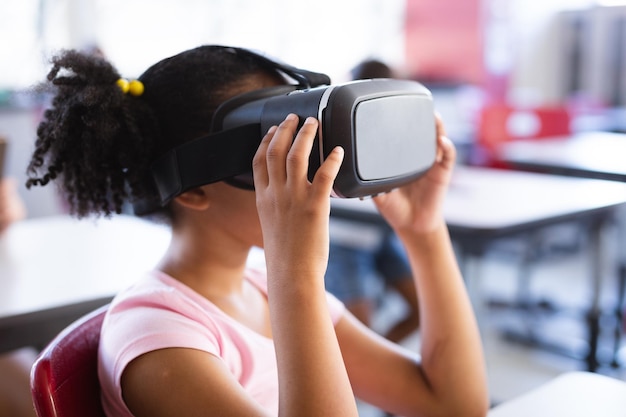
{"x":444,"y":40}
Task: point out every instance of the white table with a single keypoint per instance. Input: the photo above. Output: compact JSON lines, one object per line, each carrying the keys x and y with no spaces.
{"x":55,"y":269}
{"x":600,"y":155}
{"x":573,"y":394}
{"x":485,"y":204}
{"x":586,"y":155}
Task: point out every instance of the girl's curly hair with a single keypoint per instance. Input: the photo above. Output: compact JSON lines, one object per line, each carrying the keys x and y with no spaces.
{"x":98,"y":143}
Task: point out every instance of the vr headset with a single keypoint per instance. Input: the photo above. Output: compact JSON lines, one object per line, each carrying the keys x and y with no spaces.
{"x":386,"y":127}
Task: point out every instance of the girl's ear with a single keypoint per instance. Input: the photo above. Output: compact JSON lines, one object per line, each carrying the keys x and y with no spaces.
{"x":195,"y":199}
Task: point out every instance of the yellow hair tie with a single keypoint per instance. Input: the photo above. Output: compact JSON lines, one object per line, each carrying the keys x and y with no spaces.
{"x":123,"y":84}
{"x":134,"y":87}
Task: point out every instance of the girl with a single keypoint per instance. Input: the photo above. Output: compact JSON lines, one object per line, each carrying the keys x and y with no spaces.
{"x":203,"y":334}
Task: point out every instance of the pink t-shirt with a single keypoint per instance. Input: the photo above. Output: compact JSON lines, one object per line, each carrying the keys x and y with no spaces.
{"x":160,"y":312}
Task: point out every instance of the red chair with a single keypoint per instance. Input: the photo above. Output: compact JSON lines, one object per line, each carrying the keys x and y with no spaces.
{"x":64,"y":378}
{"x":501,"y":123}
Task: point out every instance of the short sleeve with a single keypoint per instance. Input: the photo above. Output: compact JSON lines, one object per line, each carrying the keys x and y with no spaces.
{"x":166,"y":317}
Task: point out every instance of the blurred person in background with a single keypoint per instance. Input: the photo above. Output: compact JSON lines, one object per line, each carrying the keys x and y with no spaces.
{"x":11,"y":205}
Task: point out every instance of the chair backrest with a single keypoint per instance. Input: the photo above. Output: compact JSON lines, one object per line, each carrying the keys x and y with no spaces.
{"x":64,"y":378}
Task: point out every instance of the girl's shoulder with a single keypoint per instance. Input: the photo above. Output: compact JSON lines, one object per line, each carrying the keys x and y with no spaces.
{"x":157,"y":288}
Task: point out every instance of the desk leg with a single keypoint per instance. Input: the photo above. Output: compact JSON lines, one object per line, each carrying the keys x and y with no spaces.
{"x":618,"y":332}
{"x":594,"y":313}
{"x":619,"y":314}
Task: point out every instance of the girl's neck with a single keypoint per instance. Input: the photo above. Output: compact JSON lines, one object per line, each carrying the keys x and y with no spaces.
{"x":214,"y":267}
{"x":216,"y":271}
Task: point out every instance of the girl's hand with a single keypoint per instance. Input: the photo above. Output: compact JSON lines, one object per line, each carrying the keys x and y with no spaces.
{"x":294,"y":215}
{"x":294,"y":212}
{"x":417,"y":207}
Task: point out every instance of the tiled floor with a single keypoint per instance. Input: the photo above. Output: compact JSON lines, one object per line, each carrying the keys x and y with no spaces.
{"x":513,"y":368}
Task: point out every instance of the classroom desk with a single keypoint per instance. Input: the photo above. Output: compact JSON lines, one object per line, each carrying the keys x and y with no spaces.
{"x":573,"y":394}
{"x":485,"y":204}
{"x":55,"y":269}
{"x":599,"y":155}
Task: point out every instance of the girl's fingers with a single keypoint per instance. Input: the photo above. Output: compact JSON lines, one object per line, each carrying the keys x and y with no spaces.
{"x":445,"y":148}
{"x":279,"y":146}
{"x":441,"y":129}
{"x":327,"y":172}
{"x":298,"y":157}
{"x":259,"y":166}
{"x":283,"y":159}
{"x":448,"y":151}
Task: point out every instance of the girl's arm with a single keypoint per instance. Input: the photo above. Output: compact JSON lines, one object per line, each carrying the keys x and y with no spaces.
{"x":450,"y":378}
{"x":294,"y":215}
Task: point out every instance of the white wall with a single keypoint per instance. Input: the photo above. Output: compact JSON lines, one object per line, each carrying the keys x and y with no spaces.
{"x":323,"y":35}
{"x":18,"y":125}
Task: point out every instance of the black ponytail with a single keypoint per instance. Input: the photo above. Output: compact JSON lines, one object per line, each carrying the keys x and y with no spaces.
{"x":98,"y":142}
